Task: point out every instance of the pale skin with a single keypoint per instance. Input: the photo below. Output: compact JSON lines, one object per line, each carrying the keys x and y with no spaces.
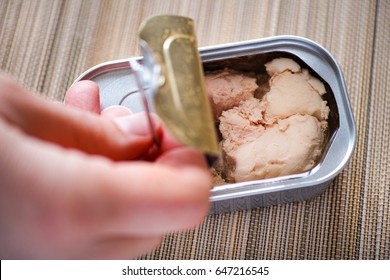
{"x":74,"y":182}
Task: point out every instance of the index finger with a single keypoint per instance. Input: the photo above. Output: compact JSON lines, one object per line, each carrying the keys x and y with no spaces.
{"x":120,"y":139}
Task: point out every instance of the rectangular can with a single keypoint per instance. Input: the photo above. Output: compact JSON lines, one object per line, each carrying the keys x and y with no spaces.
{"x":117,"y":86}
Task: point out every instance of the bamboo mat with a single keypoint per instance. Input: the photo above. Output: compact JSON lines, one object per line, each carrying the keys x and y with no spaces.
{"x":46,"y":44}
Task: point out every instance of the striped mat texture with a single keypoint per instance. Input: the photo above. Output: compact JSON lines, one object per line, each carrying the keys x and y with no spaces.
{"x":46,"y":44}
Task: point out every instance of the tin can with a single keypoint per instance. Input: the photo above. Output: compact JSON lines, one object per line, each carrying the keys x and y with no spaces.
{"x":118,"y":87}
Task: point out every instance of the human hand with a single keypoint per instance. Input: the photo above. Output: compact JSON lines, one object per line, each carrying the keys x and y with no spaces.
{"x":70,"y":184}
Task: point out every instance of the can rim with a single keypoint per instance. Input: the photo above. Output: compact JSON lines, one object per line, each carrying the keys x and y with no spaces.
{"x":343,"y":143}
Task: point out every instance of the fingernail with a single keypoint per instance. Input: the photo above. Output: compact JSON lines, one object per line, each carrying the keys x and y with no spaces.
{"x":115,"y":111}
{"x":137,"y":124}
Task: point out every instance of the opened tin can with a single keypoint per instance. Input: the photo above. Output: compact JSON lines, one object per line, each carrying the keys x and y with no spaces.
{"x":116,"y":82}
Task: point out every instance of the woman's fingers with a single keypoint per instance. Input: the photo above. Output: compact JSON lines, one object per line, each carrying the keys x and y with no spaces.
{"x":64,"y":198}
{"x":72,"y":128}
{"x":95,"y":195}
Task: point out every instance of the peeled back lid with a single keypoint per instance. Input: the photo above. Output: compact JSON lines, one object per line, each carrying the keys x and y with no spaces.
{"x":180,"y":98}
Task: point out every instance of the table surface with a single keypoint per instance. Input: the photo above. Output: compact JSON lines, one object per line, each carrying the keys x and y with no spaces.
{"x":47,"y":44}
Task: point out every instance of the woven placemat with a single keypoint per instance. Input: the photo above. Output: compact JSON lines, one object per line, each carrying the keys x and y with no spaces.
{"x":47,"y":44}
